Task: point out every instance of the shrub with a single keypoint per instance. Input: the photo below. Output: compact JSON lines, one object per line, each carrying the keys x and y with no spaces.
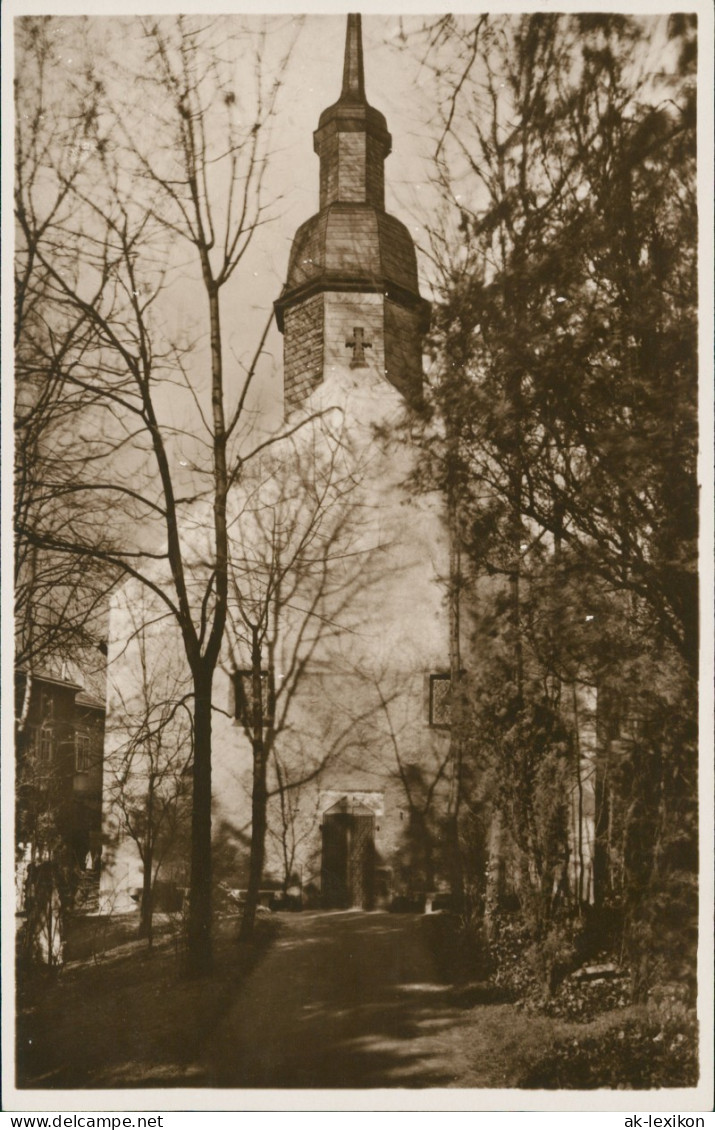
{"x":639,"y":1054}
{"x":529,"y":963}
{"x":457,"y":945}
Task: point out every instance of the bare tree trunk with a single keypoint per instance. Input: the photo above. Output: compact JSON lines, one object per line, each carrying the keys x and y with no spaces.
{"x":602,"y":829}
{"x":186,"y":70}
{"x":259,"y":800}
{"x":259,"y":824}
{"x":495,"y":874}
{"x":286,"y":822}
{"x":514,"y":392}
{"x":457,"y":706}
{"x":579,"y":786}
{"x":146,"y":916}
{"x":199,"y":951}
{"x":27,"y":694}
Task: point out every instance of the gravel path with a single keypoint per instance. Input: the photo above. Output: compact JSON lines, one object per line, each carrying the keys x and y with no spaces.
{"x":354,"y":1000}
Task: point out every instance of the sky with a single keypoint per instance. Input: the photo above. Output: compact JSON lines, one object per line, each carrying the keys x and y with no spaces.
{"x":397,"y":83}
{"x":311,"y":82}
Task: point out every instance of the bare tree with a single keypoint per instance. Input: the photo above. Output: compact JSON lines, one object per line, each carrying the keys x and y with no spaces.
{"x":151,"y":200}
{"x":293,"y":829}
{"x":424,"y":782}
{"x":150,"y":752}
{"x":60,"y":598}
{"x":301,"y":558}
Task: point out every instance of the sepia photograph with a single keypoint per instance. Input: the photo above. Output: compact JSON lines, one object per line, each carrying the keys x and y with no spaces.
{"x":352,"y":452}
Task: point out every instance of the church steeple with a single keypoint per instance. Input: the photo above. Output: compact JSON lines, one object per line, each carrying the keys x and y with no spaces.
{"x":351,"y":302}
{"x":352,"y":140}
{"x":353,"y":68}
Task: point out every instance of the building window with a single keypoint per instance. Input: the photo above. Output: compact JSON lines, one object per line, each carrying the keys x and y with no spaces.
{"x":440,"y":702}
{"x":46,"y":744}
{"x":82,"y":752}
{"x":243,"y":691}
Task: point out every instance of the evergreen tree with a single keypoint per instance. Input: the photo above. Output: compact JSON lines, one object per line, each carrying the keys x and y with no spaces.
{"x":566,"y":354}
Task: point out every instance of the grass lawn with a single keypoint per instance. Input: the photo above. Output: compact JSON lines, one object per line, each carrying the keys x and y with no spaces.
{"x":127,"y":1019}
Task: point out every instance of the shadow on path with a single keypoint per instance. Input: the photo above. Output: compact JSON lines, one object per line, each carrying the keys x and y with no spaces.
{"x":343,"y":999}
{"x":338,"y":1000}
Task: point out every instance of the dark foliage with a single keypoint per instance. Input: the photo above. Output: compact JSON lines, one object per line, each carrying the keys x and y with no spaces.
{"x":638,"y":1054}
{"x":566,"y":380}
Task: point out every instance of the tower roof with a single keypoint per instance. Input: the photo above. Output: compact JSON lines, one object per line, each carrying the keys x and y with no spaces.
{"x":353,"y":69}
{"x":353,"y":247}
{"x":352,"y":107}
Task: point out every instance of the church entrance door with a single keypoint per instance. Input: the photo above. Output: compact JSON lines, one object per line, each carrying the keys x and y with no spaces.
{"x":348,"y":856}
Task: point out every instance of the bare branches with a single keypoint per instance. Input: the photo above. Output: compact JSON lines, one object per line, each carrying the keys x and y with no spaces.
{"x":297,"y":570}
{"x":456,"y":90}
{"x":150,"y":750}
{"x":96,"y":278}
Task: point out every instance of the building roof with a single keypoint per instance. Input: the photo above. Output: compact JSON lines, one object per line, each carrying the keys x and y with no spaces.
{"x":84,"y":698}
{"x":353,"y":103}
{"x":353,"y":68}
{"x":353,"y":242}
{"x":46,"y":677}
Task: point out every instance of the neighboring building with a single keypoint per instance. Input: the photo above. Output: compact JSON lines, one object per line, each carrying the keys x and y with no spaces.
{"x":59,"y":751}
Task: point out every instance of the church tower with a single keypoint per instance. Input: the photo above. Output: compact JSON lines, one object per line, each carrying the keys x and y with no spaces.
{"x":351,"y":299}
{"x":358,"y":658}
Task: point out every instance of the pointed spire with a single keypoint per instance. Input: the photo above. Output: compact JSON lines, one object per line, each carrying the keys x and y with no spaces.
{"x":352,"y":139}
{"x":353,"y":71}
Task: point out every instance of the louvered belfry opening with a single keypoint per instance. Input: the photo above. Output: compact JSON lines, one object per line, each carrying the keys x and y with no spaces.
{"x":348,"y":856}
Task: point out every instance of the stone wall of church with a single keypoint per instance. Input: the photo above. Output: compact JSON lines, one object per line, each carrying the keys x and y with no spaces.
{"x":370,"y":736}
{"x":359,"y":722}
{"x":344,"y":312}
{"x":403,"y":359}
{"x":318,"y":329}
{"x":351,"y":171}
{"x":303,"y":368}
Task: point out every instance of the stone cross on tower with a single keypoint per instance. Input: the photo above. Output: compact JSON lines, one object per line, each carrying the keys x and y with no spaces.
{"x":358,"y":344}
